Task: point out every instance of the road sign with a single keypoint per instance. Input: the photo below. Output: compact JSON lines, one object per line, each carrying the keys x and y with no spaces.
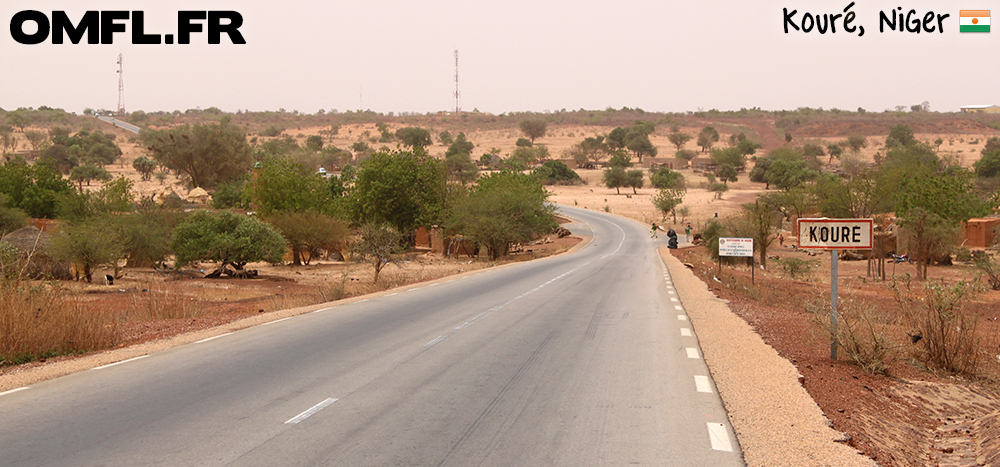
{"x":736,"y":247}
{"x":836,"y":234}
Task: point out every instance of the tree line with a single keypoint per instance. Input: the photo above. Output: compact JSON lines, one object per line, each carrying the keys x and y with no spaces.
{"x":370,"y":210}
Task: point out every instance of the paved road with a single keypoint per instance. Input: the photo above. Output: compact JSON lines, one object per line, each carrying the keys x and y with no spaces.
{"x":581,"y":359}
{"x":118,"y":123}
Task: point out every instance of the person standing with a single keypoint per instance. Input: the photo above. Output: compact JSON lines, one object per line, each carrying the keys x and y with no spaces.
{"x":653,"y":234}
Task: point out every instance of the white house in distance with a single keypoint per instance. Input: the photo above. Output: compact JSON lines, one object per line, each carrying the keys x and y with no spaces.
{"x":987,"y":109}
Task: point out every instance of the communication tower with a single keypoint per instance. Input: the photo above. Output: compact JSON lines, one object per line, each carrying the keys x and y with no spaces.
{"x":121,"y":88}
{"x":458,"y":108}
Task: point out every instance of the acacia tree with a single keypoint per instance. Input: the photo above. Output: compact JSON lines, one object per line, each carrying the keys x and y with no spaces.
{"x":35,"y":138}
{"x":679,"y":139}
{"x":503,"y":208}
{"x":87,"y":173}
{"x":856,"y":143}
{"x":616,"y":176}
{"x":206,"y":155}
{"x":414,"y":137}
{"x":379,"y":243}
{"x":309,"y":233}
{"x":19,"y":119}
{"x":640,"y":145}
{"x":758,"y":220}
{"x":88,"y":244}
{"x":666,"y":201}
{"x":707,"y":137}
{"x":145,"y":166}
{"x":226,"y":238}
{"x":458,"y":160}
{"x":534,"y":128}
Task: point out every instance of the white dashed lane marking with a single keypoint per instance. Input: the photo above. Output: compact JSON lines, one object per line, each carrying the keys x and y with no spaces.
{"x":119,"y":363}
{"x":720,"y":438}
{"x":308,"y":413}
{"x":12,"y":391}
{"x":276,"y":321}
{"x":435,"y":341}
{"x":685,"y":332}
{"x":702,"y":384}
{"x":692,"y":352}
{"x":216,"y":337}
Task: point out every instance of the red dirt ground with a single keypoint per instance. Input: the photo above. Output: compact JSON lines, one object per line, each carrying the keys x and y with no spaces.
{"x":909,"y":417}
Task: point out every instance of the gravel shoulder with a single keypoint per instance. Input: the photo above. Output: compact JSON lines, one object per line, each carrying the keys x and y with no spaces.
{"x":776,"y":420}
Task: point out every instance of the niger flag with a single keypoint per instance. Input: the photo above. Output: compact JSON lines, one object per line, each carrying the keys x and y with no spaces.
{"x":974,"y":21}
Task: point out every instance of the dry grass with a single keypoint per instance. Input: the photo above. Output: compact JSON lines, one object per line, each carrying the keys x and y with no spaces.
{"x":862,"y":331}
{"x":37,"y":322}
{"x":154,"y":302}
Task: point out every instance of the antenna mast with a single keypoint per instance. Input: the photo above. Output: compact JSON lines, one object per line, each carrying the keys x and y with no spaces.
{"x":121,"y":88}
{"x":458,"y":108}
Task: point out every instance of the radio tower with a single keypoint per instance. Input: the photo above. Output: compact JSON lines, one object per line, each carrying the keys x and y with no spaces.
{"x":121,"y":88}
{"x":458,"y":108}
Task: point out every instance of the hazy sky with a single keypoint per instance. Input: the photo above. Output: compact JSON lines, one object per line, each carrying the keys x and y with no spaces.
{"x":515,"y":55}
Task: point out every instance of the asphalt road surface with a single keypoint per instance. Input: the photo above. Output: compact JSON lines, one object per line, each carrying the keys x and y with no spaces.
{"x":583,"y":359}
{"x":118,"y":123}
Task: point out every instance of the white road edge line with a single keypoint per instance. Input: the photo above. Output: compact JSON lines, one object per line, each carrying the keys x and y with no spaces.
{"x":685,"y":332}
{"x":702,"y":384}
{"x":119,"y":363}
{"x":276,"y":321}
{"x":692,"y":352}
{"x":12,"y":391}
{"x":682,"y":317}
{"x":720,"y":439}
{"x":435,"y":341}
{"x":316,"y":408}
{"x":213,"y":338}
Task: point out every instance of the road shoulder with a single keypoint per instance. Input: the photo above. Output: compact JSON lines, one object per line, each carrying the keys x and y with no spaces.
{"x":776,"y":421}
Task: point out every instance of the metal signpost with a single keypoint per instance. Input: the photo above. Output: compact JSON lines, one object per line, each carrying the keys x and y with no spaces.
{"x":741,"y":247}
{"x":834,"y":235}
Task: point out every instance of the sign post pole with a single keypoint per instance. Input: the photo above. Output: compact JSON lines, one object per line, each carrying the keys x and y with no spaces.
{"x":833,"y":303}
{"x":835,"y":235}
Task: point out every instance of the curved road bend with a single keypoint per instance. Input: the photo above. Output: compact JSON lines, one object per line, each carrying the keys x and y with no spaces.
{"x":579,"y":359}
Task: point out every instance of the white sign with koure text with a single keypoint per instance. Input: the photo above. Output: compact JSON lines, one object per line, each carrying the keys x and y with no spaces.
{"x":736,"y":247}
{"x":836,"y":234}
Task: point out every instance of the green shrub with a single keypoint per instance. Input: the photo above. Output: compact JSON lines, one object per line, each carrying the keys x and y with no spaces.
{"x":797,"y":267}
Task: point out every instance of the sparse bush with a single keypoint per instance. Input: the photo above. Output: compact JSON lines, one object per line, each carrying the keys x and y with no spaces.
{"x":990,"y":269}
{"x":273,"y":130}
{"x":862,"y":332}
{"x":946,"y":336}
